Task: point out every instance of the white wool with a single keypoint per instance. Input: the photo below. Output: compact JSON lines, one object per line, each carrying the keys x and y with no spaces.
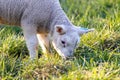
{"x":38,"y":19}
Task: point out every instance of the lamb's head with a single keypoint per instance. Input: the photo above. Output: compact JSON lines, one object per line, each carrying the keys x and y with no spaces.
{"x":66,"y":39}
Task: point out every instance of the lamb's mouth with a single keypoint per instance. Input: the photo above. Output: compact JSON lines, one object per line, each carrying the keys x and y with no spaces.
{"x":65,"y":57}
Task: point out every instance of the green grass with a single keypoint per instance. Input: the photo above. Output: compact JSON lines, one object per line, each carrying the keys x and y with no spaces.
{"x":96,"y":58}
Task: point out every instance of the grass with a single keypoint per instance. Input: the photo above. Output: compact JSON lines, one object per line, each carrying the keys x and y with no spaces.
{"x":96,"y":58}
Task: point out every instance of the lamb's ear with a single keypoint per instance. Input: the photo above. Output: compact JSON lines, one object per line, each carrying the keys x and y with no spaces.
{"x":82,"y":31}
{"x":60,"y":29}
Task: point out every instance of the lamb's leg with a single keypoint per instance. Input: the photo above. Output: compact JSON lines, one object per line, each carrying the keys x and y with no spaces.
{"x":31,"y":39}
{"x":44,"y":42}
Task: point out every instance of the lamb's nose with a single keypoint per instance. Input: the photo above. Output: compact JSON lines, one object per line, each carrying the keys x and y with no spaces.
{"x":71,"y":53}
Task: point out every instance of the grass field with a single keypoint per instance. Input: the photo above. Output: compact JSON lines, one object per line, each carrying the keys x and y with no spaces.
{"x":96,"y":58}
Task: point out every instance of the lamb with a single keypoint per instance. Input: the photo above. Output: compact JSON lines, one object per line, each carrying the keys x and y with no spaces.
{"x":43,"y":22}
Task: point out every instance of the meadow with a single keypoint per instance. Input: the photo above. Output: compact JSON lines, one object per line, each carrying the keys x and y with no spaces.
{"x":96,"y":58}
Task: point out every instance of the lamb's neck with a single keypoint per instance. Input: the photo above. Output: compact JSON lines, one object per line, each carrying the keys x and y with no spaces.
{"x":59,"y":18}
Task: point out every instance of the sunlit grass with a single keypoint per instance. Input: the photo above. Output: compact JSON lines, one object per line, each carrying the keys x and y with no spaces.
{"x":96,"y":58}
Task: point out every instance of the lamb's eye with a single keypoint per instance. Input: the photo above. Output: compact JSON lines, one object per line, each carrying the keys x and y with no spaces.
{"x":63,"y":43}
